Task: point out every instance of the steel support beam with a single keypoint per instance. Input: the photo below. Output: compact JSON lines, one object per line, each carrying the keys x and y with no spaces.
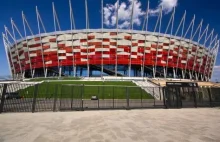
{"x":131,"y":29}
{"x":73,"y":26}
{"x":25,"y":34}
{"x":39,"y":32}
{"x":6,"y":53}
{"x":190,"y":42}
{"x":145,"y":35}
{"x":116,"y":51}
{"x":155,"y":64}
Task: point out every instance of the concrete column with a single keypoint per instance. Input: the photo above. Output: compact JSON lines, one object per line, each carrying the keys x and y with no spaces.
{"x":88,"y":71}
{"x":183,"y":75}
{"x":74,"y":71}
{"x":164,"y":72}
{"x":129,"y":71}
{"x":153,"y":72}
{"x":60,"y":70}
{"x":23,"y":75}
{"x":196,"y":76}
{"x":33,"y":73}
{"x":174,"y":73}
{"x":190,"y":75}
{"x":142,"y":71}
{"x":45,"y":72}
{"x":201,"y":76}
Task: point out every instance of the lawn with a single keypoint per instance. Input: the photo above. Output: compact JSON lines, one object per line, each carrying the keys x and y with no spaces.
{"x":87,"y":89}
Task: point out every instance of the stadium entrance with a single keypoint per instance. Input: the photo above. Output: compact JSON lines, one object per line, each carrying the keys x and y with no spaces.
{"x":181,"y":94}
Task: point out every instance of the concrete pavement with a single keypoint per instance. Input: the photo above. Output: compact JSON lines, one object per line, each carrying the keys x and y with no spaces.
{"x":151,"y":125}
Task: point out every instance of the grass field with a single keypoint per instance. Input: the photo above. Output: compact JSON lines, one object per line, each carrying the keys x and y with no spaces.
{"x":87,"y":89}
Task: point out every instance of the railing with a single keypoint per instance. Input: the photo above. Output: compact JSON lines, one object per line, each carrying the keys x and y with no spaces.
{"x":28,"y":97}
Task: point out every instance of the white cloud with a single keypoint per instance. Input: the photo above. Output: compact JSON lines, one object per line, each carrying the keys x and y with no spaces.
{"x":125,"y":9}
{"x":216,"y":74}
{"x":167,"y":5}
{"x":124,"y":14}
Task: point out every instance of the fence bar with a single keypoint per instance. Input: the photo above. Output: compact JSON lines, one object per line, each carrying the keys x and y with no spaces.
{"x":55,"y":98}
{"x":98,"y":97}
{"x":82,"y":91}
{"x":154,"y":97}
{"x":113,"y":97}
{"x":35,"y":98}
{"x":141,"y":98}
{"x":164,"y":96}
{"x":194,"y":95}
{"x":3,"y":98}
{"x":210,"y":96}
{"x":72,"y":97}
{"x":127,"y":97}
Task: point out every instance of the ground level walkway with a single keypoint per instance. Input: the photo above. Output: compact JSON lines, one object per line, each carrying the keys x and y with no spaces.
{"x":153,"y":125}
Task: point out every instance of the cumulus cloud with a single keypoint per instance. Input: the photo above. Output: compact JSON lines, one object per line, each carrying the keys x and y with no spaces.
{"x":125,"y":9}
{"x":167,"y":5}
{"x":216,"y":74}
{"x":124,"y":14}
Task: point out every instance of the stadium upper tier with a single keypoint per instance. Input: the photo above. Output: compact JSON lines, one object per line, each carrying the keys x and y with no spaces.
{"x":187,"y":52}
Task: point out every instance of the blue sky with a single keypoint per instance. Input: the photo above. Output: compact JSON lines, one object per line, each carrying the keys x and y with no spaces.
{"x":208,"y":11}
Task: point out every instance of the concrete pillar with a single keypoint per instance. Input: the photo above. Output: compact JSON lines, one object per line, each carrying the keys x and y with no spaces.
{"x":45,"y":72}
{"x":174,"y":73}
{"x":183,"y":75}
{"x":88,"y":71}
{"x":190,"y":75}
{"x":142,"y":71}
{"x":153,"y":72}
{"x":164,"y":72}
{"x":33,"y":73}
{"x":196,"y":76}
{"x":74,"y":71}
{"x":60,"y":70}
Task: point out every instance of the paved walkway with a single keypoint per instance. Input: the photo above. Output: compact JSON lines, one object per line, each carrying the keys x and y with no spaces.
{"x":152,"y":125}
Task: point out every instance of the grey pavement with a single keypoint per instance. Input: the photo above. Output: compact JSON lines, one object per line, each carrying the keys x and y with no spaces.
{"x":151,"y":125}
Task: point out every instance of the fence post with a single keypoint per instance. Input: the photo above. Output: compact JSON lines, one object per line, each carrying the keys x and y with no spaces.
{"x":164,"y":97}
{"x":154,"y":96}
{"x":141,"y":97}
{"x":72,"y":88}
{"x":34,"y":98}
{"x":82,"y":91}
{"x":3,"y":98}
{"x":98,"y":97}
{"x":210,"y":96}
{"x":194,"y":95}
{"x":160,"y":93}
{"x":55,"y":98}
{"x":127,"y":95}
{"x":113,"y":97}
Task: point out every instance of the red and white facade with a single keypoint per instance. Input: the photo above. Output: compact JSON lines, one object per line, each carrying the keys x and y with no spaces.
{"x":141,"y":53}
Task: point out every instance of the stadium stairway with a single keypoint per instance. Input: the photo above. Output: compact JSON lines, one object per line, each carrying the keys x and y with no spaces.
{"x":108,"y":71}
{"x":151,"y":88}
{"x":15,"y":86}
{"x":161,"y":73}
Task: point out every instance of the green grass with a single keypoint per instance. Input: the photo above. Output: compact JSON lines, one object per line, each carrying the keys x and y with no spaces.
{"x":87,"y":89}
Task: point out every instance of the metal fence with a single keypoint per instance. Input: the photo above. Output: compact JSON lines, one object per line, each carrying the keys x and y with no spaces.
{"x":67,"y":97}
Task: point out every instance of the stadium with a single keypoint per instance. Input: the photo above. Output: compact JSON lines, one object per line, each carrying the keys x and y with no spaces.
{"x":112,"y":52}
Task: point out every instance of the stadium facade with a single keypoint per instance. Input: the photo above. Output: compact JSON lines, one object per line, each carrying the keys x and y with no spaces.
{"x":114,"y":52}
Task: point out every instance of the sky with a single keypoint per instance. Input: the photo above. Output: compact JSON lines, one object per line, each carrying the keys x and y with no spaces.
{"x":208,"y":11}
